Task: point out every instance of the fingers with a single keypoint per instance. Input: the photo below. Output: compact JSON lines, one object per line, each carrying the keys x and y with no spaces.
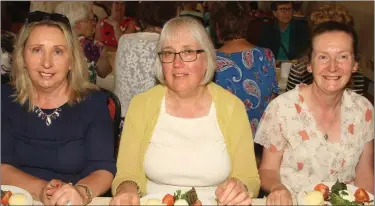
{"x":246,"y":201}
{"x":135,"y":200}
{"x":228,"y":189}
{"x":239,"y":198}
{"x":125,"y":199}
{"x":220,"y":190}
{"x":65,"y":193}
{"x":233,"y":192}
{"x":279,"y":197}
{"x":62,"y":200}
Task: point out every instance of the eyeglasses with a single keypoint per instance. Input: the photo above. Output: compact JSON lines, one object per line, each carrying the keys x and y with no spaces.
{"x":185,"y":55}
{"x":38,"y":16}
{"x":285,"y":9}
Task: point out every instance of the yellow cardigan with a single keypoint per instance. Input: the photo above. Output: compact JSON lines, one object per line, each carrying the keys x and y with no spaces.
{"x":141,"y":119}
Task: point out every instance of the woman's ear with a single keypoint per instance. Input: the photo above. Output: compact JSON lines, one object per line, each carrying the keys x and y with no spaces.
{"x":309,"y":69}
{"x":355,"y":67}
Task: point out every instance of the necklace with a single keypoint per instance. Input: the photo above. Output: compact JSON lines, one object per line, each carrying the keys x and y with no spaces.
{"x":48,"y":117}
{"x":330,"y":125}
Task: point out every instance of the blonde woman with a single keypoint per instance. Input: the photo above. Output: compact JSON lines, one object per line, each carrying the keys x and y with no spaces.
{"x":56,"y":127}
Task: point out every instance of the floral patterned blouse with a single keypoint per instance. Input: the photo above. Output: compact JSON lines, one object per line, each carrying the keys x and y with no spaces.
{"x":93,"y":50}
{"x":308,"y":158}
{"x":251,"y":76}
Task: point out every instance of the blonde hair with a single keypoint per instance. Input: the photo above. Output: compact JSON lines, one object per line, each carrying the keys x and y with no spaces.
{"x":78,"y":82}
{"x":200,"y":35}
{"x":74,"y":10}
{"x":330,"y":12}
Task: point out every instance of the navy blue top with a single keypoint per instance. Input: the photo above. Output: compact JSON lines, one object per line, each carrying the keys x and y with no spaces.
{"x":77,"y":143}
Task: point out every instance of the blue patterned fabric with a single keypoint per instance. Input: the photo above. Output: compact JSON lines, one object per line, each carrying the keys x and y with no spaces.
{"x":251,"y":76}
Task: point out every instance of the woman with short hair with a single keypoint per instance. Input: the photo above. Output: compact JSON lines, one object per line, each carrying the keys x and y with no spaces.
{"x":320,"y":132}
{"x":187,"y":131}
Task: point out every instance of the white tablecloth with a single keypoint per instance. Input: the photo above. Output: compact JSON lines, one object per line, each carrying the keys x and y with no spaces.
{"x":102,"y":201}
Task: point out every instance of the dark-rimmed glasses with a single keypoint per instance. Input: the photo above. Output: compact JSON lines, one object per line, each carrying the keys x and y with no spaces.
{"x":38,"y":16}
{"x":188,"y":55}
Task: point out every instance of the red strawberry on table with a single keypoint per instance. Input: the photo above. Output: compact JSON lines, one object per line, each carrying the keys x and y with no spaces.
{"x":168,"y":200}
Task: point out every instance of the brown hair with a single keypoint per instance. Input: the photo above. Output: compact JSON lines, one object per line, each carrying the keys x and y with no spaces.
{"x":232,"y":19}
{"x":155,"y":13}
{"x":330,"y":12}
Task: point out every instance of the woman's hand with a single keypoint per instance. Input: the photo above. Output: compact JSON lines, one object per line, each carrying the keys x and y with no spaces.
{"x":279,"y":195}
{"x":67,"y":194}
{"x":233,"y":192}
{"x":48,"y":190}
{"x":125,"y":198}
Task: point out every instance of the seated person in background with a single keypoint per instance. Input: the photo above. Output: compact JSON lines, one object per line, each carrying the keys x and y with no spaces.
{"x":244,"y":69}
{"x":137,"y":75}
{"x":297,"y":10}
{"x":189,"y":8}
{"x":286,"y":37}
{"x":320,"y":132}
{"x":45,"y":6}
{"x":326,"y":12}
{"x":110,"y":29}
{"x":7,"y":41}
{"x":187,"y":131}
{"x":99,"y":12}
{"x":56,"y":127}
{"x":80,"y":16}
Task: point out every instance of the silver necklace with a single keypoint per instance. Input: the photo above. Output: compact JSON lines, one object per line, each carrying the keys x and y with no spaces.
{"x":48,"y":117}
{"x":326,"y":131}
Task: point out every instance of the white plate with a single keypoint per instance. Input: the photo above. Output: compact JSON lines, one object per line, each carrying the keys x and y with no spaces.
{"x":205,"y":201}
{"x":350,"y":188}
{"x":14,"y":189}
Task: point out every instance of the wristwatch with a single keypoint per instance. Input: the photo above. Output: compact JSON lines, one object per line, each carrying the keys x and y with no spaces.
{"x":87,"y":190}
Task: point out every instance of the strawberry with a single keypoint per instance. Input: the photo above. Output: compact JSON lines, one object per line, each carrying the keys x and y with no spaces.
{"x":324,"y":189}
{"x":168,"y":200}
{"x":361,"y":195}
{"x":197,"y":203}
{"x":5,"y":198}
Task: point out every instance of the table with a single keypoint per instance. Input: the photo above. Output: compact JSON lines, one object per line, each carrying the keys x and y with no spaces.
{"x":102,"y":201}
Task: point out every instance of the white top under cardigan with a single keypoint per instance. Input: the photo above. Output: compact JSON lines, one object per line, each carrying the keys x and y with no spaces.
{"x":186,"y":152}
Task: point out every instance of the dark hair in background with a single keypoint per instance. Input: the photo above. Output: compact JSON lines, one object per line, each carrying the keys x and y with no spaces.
{"x":275,"y":4}
{"x":297,"y":5}
{"x":254,"y":5}
{"x":232,"y":19}
{"x":150,"y":13}
{"x":131,"y":8}
{"x":334,"y":26}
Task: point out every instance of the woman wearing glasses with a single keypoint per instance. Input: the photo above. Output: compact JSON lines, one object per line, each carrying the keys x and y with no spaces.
{"x":187,"y":131}
{"x":81,"y":18}
{"x":56,"y":128}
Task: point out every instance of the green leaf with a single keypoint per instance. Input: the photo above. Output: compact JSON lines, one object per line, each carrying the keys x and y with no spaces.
{"x":338,"y":186}
{"x":177,"y":195}
{"x":337,"y":200}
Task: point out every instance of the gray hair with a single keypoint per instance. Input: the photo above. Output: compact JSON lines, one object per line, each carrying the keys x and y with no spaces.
{"x":74,"y":10}
{"x":45,"y":6}
{"x":200,"y":35}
